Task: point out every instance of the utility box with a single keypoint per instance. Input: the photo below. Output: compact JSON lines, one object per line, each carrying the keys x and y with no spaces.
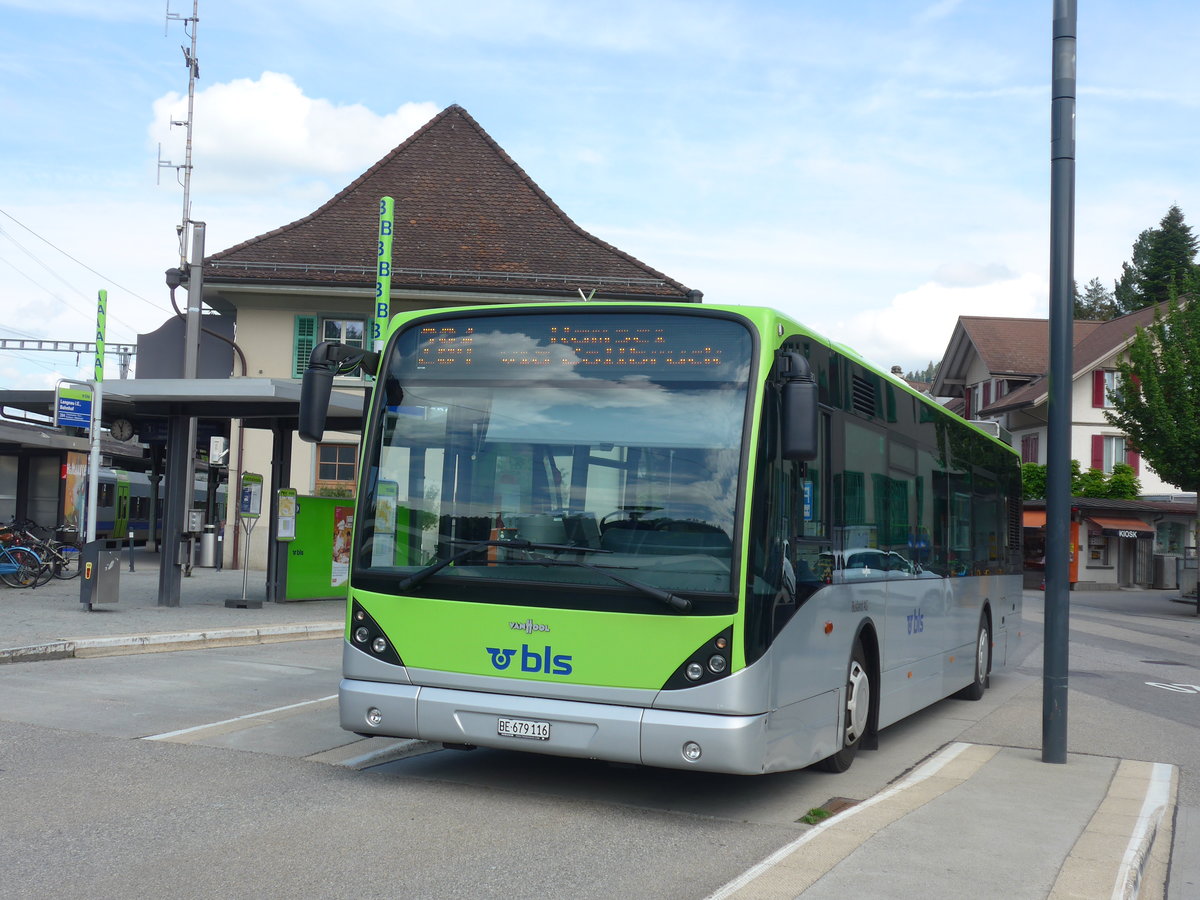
{"x":100,"y":572}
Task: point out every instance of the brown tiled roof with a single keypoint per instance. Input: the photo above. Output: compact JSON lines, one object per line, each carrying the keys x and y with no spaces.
{"x":467,"y":218}
{"x":1094,"y":344}
{"x":1016,"y":346}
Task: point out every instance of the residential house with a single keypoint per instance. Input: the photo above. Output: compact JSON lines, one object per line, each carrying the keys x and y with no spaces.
{"x":471,"y":227}
{"x":996,"y":369}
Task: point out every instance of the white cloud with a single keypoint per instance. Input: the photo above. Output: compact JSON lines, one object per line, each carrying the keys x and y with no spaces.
{"x":916,"y":326}
{"x":254,"y":136}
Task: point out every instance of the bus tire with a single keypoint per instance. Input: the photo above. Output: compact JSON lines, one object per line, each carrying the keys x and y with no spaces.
{"x":857,"y":712}
{"x":983,"y":663}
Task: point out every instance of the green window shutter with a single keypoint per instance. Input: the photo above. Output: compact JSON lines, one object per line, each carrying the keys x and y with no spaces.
{"x":305,"y":338}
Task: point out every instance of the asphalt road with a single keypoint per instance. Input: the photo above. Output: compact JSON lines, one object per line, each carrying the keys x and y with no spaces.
{"x":215,"y":773}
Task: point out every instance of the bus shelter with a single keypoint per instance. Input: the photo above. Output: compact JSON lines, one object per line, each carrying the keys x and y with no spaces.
{"x":167,"y":404}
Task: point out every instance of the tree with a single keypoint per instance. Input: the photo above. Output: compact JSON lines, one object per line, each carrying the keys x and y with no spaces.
{"x":1158,"y":404}
{"x":1096,"y":302}
{"x":1161,"y":261}
{"x":1127,"y":291}
{"x":927,"y":376}
{"x":1033,"y":481}
{"x":1122,"y":484}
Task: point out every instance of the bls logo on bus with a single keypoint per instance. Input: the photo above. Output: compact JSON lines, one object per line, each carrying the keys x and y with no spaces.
{"x":532,"y":660}
{"x":916,"y":622}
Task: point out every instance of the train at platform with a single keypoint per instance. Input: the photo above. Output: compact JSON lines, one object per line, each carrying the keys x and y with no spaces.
{"x":124,"y":504}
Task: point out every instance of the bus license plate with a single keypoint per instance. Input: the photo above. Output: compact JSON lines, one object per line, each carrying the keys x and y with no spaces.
{"x":523,"y":728}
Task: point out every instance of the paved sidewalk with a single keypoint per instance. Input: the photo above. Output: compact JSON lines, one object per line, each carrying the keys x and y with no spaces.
{"x":973,"y":820}
{"x":49,"y":622}
{"x":990,"y":823}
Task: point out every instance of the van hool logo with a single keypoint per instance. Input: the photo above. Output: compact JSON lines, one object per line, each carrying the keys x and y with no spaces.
{"x":532,"y":660}
{"x":528,"y":626}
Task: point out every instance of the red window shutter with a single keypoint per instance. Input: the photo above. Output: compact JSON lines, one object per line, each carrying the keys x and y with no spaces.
{"x":1135,"y":461}
{"x":1097,"y":451}
{"x":987,"y":393}
{"x":1098,"y":388}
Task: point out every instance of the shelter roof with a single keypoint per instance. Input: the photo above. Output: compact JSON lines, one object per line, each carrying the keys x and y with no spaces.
{"x":260,"y":402}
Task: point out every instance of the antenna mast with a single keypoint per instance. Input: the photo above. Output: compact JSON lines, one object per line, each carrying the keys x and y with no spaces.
{"x":189,"y":60}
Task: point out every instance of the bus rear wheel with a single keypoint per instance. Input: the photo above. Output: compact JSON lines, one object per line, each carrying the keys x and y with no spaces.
{"x":857,"y":712}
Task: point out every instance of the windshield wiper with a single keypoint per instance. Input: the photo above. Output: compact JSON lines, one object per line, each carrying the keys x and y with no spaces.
{"x":674,"y":601}
{"x":411,"y":581}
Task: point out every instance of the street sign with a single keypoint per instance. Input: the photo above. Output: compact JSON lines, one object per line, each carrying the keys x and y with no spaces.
{"x":73,"y":406}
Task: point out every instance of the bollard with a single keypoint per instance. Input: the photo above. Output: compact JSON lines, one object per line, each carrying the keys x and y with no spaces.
{"x":131,"y":551}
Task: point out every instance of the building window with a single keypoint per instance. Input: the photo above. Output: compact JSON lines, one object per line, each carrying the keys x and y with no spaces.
{"x":1097,"y":549}
{"x":336,"y":464}
{"x":310,"y":330}
{"x":344,"y":331}
{"x":1108,"y":450}
{"x":1104,"y":386}
{"x":1029,"y":448}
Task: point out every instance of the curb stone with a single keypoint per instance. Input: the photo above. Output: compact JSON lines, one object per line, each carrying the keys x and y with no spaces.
{"x":125,"y":644}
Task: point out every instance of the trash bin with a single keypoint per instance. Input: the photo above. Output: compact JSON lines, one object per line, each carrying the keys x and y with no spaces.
{"x":100,"y":572}
{"x":1165,"y":575}
{"x":207,"y":555}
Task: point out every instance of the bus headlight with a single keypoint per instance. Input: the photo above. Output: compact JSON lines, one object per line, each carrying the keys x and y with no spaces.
{"x":367,"y":637}
{"x":711,"y":661}
{"x":691,"y":751}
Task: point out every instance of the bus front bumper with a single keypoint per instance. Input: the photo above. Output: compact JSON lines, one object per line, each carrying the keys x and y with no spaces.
{"x":652,"y":737}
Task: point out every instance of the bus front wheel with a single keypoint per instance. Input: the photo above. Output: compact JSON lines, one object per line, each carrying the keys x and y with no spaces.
{"x":983,"y":663}
{"x":857,"y":712}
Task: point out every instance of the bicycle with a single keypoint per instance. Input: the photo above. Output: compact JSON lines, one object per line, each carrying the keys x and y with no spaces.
{"x":61,"y":556}
{"x":20,"y":566}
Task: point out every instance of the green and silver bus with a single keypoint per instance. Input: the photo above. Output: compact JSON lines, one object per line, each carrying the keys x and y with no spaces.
{"x":696,"y":537}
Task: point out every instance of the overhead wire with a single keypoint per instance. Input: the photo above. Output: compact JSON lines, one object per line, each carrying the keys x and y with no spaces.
{"x":80,"y":262}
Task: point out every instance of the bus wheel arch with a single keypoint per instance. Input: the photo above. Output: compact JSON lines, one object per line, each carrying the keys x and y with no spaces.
{"x":860,"y":713}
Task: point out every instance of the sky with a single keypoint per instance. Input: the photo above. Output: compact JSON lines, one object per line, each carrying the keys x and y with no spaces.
{"x":875,"y":169}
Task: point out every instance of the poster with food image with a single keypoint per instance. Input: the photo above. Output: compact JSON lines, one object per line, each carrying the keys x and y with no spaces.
{"x":343,"y":526}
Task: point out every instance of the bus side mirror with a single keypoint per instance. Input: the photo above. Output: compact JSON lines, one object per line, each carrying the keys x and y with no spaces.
{"x":798,"y":426}
{"x":327,"y":359}
{"x":314,"y":403}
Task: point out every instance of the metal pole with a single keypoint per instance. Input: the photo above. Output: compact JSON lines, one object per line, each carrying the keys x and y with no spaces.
{"x":97,"y":414}
{"x":1058,"y":460}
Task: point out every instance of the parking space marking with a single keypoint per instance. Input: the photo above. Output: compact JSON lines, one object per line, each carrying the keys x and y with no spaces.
{"x":224,"y":723}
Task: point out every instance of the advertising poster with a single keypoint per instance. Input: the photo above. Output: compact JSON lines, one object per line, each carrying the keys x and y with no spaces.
{"x":343,"y":525}
{"x":383,"y":550}
{"x":75,"y":491}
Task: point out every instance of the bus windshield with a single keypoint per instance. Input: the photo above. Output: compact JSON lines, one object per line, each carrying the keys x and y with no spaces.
{"x":514,"y":454}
